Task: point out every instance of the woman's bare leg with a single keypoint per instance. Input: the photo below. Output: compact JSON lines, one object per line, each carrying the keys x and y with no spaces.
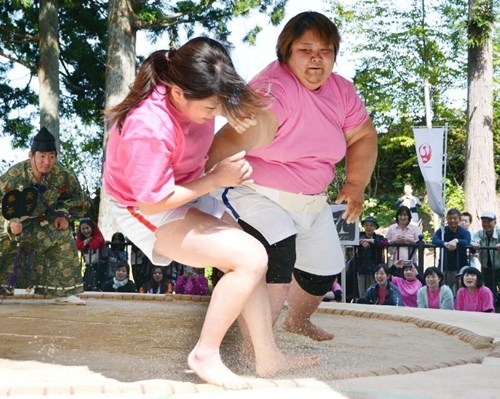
{"x":301,"y":305}
{"x":242,"y":290}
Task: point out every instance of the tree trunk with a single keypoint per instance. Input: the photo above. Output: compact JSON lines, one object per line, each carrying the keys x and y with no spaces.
{"x":120,"y":73}
{"x":48,"y":68}
{"x":479,"y":167}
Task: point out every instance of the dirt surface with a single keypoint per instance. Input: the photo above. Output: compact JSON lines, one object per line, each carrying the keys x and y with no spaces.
{"x":129,"y":340}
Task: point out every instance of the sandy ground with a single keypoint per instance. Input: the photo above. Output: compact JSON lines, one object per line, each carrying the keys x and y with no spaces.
{"x":129,"y":340}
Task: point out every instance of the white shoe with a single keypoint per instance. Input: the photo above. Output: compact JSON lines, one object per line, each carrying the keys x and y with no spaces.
{"x":70,"y":300}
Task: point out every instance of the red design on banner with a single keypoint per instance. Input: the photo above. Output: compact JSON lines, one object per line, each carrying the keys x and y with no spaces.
{"x":425,"y":152}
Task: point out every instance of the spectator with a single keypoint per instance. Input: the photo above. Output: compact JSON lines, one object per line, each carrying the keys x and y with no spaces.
{"x":466,"y":220}
{"x":409,"y":284}
{"x":191,"y":282}
{"x":335,"y":294}
{"x":90,"y":242}
{"x":402,"y":232}
{"x":382,"y":292}
{"x":57,"y":270}
{"x":435,"y":294}
{"x":453,"y":241}
{"x":157,"y":283}
{"x":315,"y":118}
{"x":472,"y":295}
{"x":489,"y":236}
{"x":370,"y":253}
{"x":116,"y":253}
{"x":120,"y":282}
{"x":411,"y":202}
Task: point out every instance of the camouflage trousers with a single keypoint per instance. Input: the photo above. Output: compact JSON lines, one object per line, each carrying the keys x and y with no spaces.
{"x":41,"y":258}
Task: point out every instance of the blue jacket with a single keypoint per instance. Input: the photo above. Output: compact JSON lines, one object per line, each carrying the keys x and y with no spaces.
{"x":453,"y":260}
{"x":393,"y":297}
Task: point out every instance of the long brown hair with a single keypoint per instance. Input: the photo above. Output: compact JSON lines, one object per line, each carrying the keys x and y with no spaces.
{"x":202,"y":68}
{"x":307,"y":21}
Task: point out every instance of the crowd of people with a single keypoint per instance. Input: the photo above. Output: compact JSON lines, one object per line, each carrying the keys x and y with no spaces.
{"x":104,"y":263}
{"x":248,"y":202}
{"x":466,"y":276}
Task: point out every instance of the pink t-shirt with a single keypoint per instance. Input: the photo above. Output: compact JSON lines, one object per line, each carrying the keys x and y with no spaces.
{"x":408,"y":290}
{"x":433,"y":299}
{"x":480,"y":300}
{"x":157,"y":148}
{"x":310,"y":138}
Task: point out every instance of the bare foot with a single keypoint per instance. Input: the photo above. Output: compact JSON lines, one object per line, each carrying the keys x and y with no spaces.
{"x":279,"y":362}
{"x":211,"y":369}
{"x":305,"y":327}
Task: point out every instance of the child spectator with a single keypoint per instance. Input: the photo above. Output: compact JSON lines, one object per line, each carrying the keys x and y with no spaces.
{"x":473,"y":296}
{"x":120,"y":282}
{"x":192,"y":282}
{"x":382,"y":292}
{"x":435,"y":294}
{"x":90,"y":242}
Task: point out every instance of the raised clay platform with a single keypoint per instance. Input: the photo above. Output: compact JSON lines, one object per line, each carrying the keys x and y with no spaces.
{"x":135,"y":345}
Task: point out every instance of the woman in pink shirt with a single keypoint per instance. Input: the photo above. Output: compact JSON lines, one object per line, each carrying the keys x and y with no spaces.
{"x":154,"y":175}
{"x":315,"y":118}
{"x":403,"y":232}
{"x":409,"y":284}
{"x":473,"y":296}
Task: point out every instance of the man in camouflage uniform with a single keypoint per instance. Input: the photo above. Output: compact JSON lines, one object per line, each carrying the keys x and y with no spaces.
{"x":43,"y":238}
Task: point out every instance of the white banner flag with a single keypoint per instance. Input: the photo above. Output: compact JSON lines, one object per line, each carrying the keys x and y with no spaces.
{"x":430,"y":155}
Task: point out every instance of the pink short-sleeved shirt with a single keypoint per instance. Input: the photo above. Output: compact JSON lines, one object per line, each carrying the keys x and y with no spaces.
{"x":310,"y":138}
{"x":157,"y":148}
{"x":480,"y":300}
{"x":408,"y":290}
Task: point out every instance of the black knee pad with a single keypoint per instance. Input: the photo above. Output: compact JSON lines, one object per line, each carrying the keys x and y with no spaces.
{"x":312,"y":283}
{"x":281,"y":256}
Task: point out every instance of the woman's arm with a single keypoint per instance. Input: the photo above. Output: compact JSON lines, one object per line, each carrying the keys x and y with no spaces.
{"x":228,"y":141}
{"x":232,"y":171}
{"x":446,"y":300}
{"x":360,"y":161}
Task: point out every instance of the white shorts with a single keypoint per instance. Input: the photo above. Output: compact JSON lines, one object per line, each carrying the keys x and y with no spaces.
{"x":317,"y":243}
{"x":141,"y":229}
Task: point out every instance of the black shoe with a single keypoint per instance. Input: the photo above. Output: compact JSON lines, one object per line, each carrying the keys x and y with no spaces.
{"x":6,"y":290}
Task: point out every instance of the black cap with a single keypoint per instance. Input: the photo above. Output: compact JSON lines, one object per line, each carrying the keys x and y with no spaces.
{"x":44,"y":142}
{"x":370,"y":219}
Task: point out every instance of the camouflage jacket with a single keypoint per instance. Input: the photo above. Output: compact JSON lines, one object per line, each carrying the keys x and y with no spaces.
{"x":59,"y":193}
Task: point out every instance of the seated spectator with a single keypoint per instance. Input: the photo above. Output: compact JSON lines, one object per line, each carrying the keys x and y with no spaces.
{"x":192,"y":282}
{"x":409,"y":284}
{"x":335,"y":294}
{"x":435,"y":294}
{"x":453,"y":240}
{"x":90,"y":242}
{"x":116,"y":253}
{"x":473,"y":296}
{"x":370,"y":253}
{"x":382,"y":292}
{"x":120,"y":282}
{"x":157,"y":283}
{"x":402,"y":232}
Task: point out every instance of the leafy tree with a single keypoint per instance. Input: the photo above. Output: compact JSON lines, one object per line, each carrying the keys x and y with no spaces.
{"x":480,"y":172}
{"x":396,"y":46}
